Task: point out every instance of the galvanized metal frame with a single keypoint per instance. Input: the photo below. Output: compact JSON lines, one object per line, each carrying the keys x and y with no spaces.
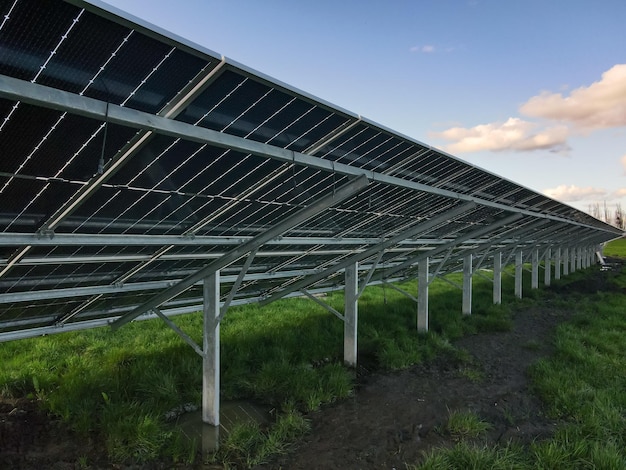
{"x":87,"y":263}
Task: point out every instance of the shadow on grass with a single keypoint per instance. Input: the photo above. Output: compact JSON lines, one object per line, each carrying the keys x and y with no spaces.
{"x":288,"y":355}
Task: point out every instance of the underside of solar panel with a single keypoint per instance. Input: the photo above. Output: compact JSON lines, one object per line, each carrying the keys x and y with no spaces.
{"x":134,"y":163}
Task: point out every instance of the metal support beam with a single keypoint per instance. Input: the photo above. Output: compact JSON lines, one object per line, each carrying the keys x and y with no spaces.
{"x":467,"y":285}
{"x":413,"y":231}
{"x":497,"y":278}
{"x":323,"y":304}
{"x":519,"y":272}
{"x":299,"y":217}
{"x":351,"y":315}
{"x":534,"y":284}
{"x":39,"y":95}
{"x":185,"y":337}
{"x":573,"y":259}
{"x":79,"y":239}
{"x":452,"y":283}
{"x":439,"y":266}
{"x":211,"y":349}
{"x":557,"y":263}
{"x":397,"y":289}
{"x":369,"y":274}
{"x":566,"y":261}
{"x":171,"y":110}
{"x":475,"y":234}
{"x":579,"y":258}
{"x":547,"y":267}
{"x":422,"y":295}
{"x":237,"y":284}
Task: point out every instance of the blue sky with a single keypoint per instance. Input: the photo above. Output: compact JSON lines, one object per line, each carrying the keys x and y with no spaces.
{"x":533,"y":90}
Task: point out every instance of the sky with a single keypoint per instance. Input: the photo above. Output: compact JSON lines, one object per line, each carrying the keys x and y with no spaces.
{"x":532,"y":90}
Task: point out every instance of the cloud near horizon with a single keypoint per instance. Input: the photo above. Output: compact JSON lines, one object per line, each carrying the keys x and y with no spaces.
{"x":600,"y":105}
{"x":573,"y":193}
{"x":514,"y":134}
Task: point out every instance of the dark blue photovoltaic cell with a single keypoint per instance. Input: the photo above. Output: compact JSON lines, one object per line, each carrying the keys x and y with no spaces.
{"x":53,"y":163}
{"x":32,"y":32}
{"x":220,"y":88}
{"x":76,"y":64}
{"x":14,"y":148}
{"x":83,"y":44}
{"x":229,"y":108}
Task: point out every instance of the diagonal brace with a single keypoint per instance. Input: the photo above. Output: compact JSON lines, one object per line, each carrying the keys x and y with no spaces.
{"x":323,"y":304}
{"x":186,"y":338}
{"x":419,"y":228}
{"x":343,"y":193}
{"x":369,"y":274}
{"x":237,"y":284}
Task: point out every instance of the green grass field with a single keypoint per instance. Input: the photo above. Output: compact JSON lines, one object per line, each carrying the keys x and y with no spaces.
{"x":616,"y":248}
{"x":582,"y":385}
{"x":289,"y":355}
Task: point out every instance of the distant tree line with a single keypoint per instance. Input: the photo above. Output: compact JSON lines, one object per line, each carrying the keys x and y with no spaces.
{"x":603,"y":212}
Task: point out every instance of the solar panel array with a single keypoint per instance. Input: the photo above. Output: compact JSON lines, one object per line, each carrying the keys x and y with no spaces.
{"x":99,"y":214}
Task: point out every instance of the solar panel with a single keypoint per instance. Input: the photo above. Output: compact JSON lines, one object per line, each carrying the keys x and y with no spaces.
{"x":135,"y":164}
{"x":85,"y":174}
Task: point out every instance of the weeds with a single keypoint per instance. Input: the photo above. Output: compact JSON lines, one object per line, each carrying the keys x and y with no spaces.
{"x":466,"y":456}
{"x":582,"y":385}
{"x":466,"y":424}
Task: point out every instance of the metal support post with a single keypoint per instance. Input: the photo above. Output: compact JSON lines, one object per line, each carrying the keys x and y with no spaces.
{"x":467,"y":285}
{"x":583,"y":258}
{"x":579,"y":258}
{"x":211,"y":348}
{"x":519,"y":270}
{"x":557,"y":263}
{"x":573,"y":259}
{"x":350,"y":319}
{"x":534,"y":284}
{"x":566,"y":261}
{"x":547,"y":264}
{"x":422,"y":295}
{"x":497,"y":278}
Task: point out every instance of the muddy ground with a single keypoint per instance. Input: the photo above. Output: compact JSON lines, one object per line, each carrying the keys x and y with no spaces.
{"x":392,"y":419}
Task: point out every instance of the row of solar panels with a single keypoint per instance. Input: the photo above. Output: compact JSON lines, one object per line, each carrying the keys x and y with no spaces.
{"x":132,"y":158}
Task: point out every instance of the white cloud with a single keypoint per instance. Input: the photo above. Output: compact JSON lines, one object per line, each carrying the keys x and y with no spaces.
{"x":514,"y":134}
{"x":573,"y":193}
{"x":427,"y":49}
{"x":600,"y":105}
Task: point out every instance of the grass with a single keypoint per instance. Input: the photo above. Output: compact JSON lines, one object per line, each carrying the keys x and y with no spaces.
{"x":472,"y":456}
{"x":288,"y":355}
{"x":582,"y":385}
{"x":249,"y":445}
{"x":616,"y":248}
{"x":466,"y":424}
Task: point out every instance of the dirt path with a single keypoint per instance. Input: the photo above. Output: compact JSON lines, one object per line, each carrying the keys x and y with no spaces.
{"x":393,"y":418}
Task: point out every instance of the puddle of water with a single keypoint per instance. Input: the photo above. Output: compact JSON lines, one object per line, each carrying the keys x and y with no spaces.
{"x":231,"y":413}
